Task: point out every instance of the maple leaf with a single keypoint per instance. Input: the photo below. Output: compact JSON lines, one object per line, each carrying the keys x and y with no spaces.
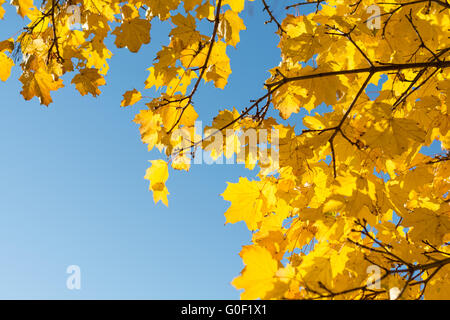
{"x":39,"y":84}
{"x":104,"y":8}
{"x":132,"y":34}
{"x":24,"y":7}
{"x":235,"y":5}
{"x":88,"y":81}
{"x":287,"y":100}
{"x":130,"y":98}
{"x":150,"y":127}
{"x":158,"y":174}
{"x":435,"y":290}
{"x":394,"y":135}
{"x":185,"y":29}
{"x":219,"y":68}
{"x":162,"y":8}
{"x":323,"y":205}
{"x":190,"y":4}
{"x":258,"y":276}
{"x":154,"y":79}
{"x":249,"y":200}
{"x":206,"y":10}
{"x":96,"y":54}
{"x":6,"y":63}
{"x":428,"y":225}
{"x":316,"y":267}
{"x":7,"y":45}
{"x":2,"y":11}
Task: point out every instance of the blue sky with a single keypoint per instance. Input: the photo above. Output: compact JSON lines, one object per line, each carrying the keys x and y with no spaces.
{"x":72,"y":190}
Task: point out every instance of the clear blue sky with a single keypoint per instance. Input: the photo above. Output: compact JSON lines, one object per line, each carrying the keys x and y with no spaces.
{"x":72,"y":190}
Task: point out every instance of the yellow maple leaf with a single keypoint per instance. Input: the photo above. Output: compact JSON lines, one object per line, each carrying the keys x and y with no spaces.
{"x":338,"y":260}
{"x":190,"y":4}
{"x":248,"y":201}
{"x":327,"y":200}
{"x":428,"y":225}
{"x":287,"y":100}
{"x":158,"y":174}
{"x":2,"y":11}
{"x":96,"y":54}
{"x":235,"y":5}
{"x":230,"y":26}
{"x":257,"y":279}
{"x":132,"y":34}
{"x":176,"y":114}
{"x":131,"y":97}
{"x":161,"y":8}
{"x":39,"y":84}
{"x":7,"y":45}
{"x":206,"y":10}
{"x":185,"y":29}
{"x":391,"y":134}
{"x":219,"y":66}
{"x":88,"y":81}
{"x":25,"y":8}
{"x":316,"y":267}
{"x":6,"y":63}
{"x":104,"y":8}
{"x":150,"y":127}
{"x":154,"y":79}
{"x":438,"y":288}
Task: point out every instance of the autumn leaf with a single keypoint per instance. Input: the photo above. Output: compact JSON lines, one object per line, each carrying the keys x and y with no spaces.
{"x":394,"y":135}
{"x":190,"y":4}
{"x":185,"y":29}
{"x":235,"y":5}
{"x":219,"y":69}
{"x":162,"y":8}
{"x":24,"y":7}
{"x":206,"y":10}
{"x":7,"y":45}
{"x":6,"y":63}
